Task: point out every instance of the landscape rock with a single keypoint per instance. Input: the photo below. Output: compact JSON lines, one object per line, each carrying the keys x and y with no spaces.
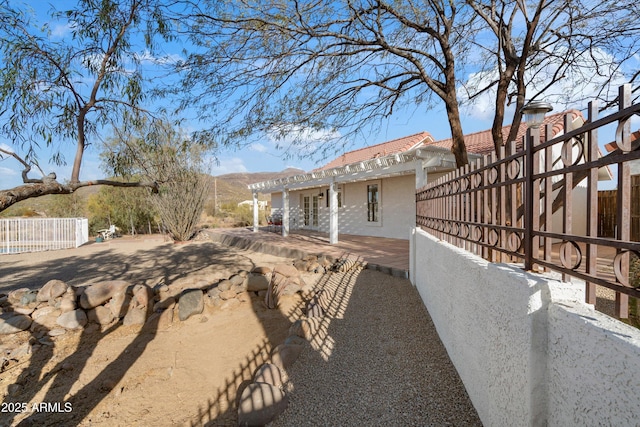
{"x":214,"y":292}
{"x":52,"y":290}
{"x":14,"y":297}
{"x":98,"y":293}
{"x":119,"y":303}
{"x":135,"y":316}
{"x":241,"y":287}
{"x":101,"y":315}
{"x":314,"y":310}
{"x":140,"y":306}
{"x":301,"y":265}
{"x":57,"y":332}
{"x":270,"y":374}
{"x":285,"y":355}
{"x":304,"y":328}
{"x":228,"y":294}
{"x":286,"y":270}
{"x":224,"y":285}
{"x":164,"y":304}
{"x":66,"y":304}
{"x":191,"y":302}
{"x":261,"y":270}
{"x":258,"y":282}
{"x":46,"y":320}
{"x":75,"y":319}
{"x":236,"y":280}
{"x":11,"y":323}
{"x":260,"y":403}
{"x":295,"y":340}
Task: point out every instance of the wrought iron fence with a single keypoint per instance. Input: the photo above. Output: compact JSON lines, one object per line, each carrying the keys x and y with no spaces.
{"x":42,"y":234}
{"x":524,"y":206}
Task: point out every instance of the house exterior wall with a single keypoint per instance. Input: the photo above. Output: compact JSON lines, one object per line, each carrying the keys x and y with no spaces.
{"x":527,"y":349}
{"x":396,"y":211}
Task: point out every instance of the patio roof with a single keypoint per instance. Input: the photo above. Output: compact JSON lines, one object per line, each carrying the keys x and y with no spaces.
{"x":399,"y":163}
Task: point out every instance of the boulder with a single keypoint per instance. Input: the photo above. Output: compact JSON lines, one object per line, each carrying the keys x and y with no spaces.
{"x":214,"y":292}
{"x":66,"y":304}
{"x":295,"y":340}
{"x":224,"y":285}
{"x":314,"y":310}
{"x":241,"y":287}
{"x":46,"y":320}
{"x":301,"y":265}
{"x":101,"y":315}
{"x":119,"y":303}
{"x":228,"y":294}
{"x":164,"y":304}
{"x":140,"y":306}
{"x":11,"y":323}
{"x":52,"y":290}
{"x":260,"y":403}
{"x":135,"y":316}
{"x":14,"y":297}
{"x":261,"y":270}
{"x":258,"y":282}
{"x":98,"y":293}
{"x":286,"y":270}
{"x":75,"y":319}
{"x":191,"y":302}
{"x":270,"y":374}
{"x":285,"y":355}
{"x":237,"y":279}
{"x":304,"y":328}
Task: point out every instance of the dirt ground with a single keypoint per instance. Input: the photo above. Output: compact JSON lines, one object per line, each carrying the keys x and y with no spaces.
{"x":185,"y":373}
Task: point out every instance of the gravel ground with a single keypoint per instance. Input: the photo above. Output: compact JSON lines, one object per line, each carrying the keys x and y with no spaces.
{"x":376,"y":360}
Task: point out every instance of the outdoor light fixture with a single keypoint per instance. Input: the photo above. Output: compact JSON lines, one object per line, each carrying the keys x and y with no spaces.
{"x":321,"y":195}
{"x":534,"y":112}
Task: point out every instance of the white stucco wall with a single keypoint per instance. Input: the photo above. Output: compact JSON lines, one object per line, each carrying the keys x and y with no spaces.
{"x":522,"y":342}
{"x":397,"y":208}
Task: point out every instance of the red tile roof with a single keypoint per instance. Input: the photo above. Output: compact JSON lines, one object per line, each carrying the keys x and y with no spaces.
{"x":482,"y":142}
{"x":395,"y":146}
{"x":612,"y":146}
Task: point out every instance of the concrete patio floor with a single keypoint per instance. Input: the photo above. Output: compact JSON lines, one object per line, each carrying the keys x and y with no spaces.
{"x":384,"y":254}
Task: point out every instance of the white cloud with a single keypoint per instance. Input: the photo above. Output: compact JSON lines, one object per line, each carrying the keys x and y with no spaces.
{"x":260,"y":148}
{"x":573,"y":91}
{"x":61,"y":30}
{"x":304,"y":139}
{"x":6,"y":147}
{"x":8,"y":172}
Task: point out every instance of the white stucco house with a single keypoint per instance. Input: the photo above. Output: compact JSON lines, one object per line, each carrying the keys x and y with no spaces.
{"x":371,"y":191}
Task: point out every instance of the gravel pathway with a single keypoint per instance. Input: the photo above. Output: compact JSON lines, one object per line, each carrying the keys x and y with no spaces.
{"x":375,"y":360}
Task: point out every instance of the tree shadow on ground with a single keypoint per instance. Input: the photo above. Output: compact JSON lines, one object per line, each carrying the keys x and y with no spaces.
{"x":162,"y":263}
{"x":61,"y":380}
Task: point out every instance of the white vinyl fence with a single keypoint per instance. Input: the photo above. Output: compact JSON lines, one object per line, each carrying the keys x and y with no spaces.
{"x":42,"y":234}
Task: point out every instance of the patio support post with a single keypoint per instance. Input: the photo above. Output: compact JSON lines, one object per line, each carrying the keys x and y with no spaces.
{"x":256,"y":218}
{"x":421,"y":174}
{"x":333,"y":213}
{"x":285,"y":212}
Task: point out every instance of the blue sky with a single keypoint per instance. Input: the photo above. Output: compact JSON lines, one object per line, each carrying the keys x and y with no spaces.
{"x":262,"y":155}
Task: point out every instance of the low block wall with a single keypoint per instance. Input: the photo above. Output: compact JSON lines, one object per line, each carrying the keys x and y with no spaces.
{"x":528,"y":350}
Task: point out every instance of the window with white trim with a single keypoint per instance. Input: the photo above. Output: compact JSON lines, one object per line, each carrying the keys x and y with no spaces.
{"x":373,"y":201}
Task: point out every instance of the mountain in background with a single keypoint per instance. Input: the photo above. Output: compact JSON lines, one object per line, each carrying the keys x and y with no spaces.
{"x":233,"y":187}
{"x":226,"y":189}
